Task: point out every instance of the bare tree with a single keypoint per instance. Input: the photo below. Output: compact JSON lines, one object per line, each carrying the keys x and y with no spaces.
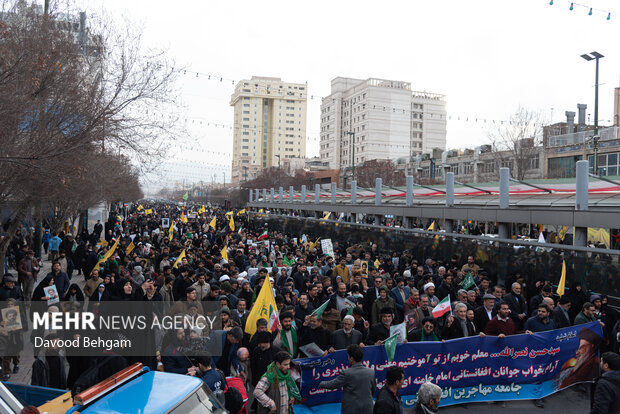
{"x":516,"y":141}
{"x":384,"y":169}
{"x":70,"y":108}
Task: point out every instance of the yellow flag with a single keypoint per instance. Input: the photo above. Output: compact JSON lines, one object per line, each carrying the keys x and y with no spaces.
{"x":327,"y":215}
{"x":263,"y":308}
{"x":240,"y":212}
{"x":130,"y":248}
{"x":313,"y":245}
{"x":140,"y":208}
{"x":562,"y":233}
{"x":562,"y":284}
{"x":202,"y":209}
{"x":148,"y":211}
{"x":230,"y":213}
{"x":183,"y":218}
{"x":106,"y":256}
{"x":171,"y":230}
{"x":260,"y":210}
{"x":181,"y":256}
{"x":432,"y":226}
{"x":154,"y":211}
{"x":377,"y":263}
{"x":231,"y":224}
{"x":110,"y":252}
{"x":225,"y":253}
{"x":102,"y":243}
{"x":212,"y":224}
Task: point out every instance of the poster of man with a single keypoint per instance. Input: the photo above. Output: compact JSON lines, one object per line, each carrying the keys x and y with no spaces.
{"x":364,"y":268}
{"x":585,"y":366}
{"x":412,"y":321}
{"x":12,"y":319}
{"x":52,"y":295}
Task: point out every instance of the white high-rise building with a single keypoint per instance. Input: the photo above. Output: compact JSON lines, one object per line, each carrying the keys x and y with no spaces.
{"x":385,"y":118}
{"x":269,"y":126}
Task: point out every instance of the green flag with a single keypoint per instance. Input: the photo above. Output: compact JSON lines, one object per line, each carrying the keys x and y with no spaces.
{"x":468,"y":281}
{"x":185,"y":196}
{"x":350,"y":311}
{"x":318,"y":312}
{"x":390,"y":346}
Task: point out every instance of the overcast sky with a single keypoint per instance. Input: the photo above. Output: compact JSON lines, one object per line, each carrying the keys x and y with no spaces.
{"x":487,"y":57}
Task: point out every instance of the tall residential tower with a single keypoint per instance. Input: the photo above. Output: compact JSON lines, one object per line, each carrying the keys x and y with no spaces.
{"x":269,"y":127}
{"x":385,"y":118}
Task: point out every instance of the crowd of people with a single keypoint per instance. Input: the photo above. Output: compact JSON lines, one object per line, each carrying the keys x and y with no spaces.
{"x":216,"y":257}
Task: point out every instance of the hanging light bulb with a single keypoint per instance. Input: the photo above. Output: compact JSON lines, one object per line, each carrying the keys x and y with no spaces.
{"x":571,"y":7}
{"x":608,"y":16}
{"x":590,"y":12}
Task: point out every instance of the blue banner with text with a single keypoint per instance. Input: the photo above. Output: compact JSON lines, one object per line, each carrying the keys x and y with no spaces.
{"x":469,"y":369}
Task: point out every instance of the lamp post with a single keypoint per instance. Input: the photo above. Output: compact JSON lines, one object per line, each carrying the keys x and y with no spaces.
{"x":352,"y":134}
{"x":278,"y":155}
{"x":595,"y":56}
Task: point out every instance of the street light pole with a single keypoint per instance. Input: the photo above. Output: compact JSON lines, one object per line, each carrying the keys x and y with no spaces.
{"x":595,"y":56}
{"x":278,"y":155}
{"x":352,"y":135}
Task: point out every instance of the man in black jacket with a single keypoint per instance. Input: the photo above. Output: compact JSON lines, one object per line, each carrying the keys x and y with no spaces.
{"x":388,"y":399}
{"x":606,"y":396}
{"x":485,"y":313}
{"x":517,"y":305}
{"x":560,"y":315}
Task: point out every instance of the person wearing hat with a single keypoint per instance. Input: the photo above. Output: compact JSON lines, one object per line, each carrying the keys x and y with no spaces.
{"x":606,"y":396}
{"x":261,"y":356}
{"x":227,"y":322}
{"x":585,"y":366}
{"x":380,"y":331}
{"x":10,"y":289}
{"x":483,"y":314}
{"x":560,"y":314}
{"x":383,"y":301}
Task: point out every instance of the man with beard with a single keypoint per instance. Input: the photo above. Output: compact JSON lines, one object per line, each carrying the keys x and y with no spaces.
{"x":426,"y":333}
{"x":338,"y":299}
{"x":346,"y":336}
{"x":606,"y":397}
{"x":585,"y":367}
{"x":287,"y":335}
{"x":379,"y":332}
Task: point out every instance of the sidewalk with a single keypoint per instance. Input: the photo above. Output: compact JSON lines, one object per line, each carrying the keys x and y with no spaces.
{"x":26,"y":358}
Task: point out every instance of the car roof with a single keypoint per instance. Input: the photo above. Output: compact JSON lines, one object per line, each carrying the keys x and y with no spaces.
{"x":152,"y":392}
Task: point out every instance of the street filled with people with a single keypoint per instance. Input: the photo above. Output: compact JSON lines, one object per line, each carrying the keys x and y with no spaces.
{"x":186,"y":259}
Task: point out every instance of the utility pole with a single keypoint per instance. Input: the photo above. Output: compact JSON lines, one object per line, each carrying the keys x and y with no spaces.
{"x":278,"y":155}
{"x":595,"y":56}
{"x":352,"y":135}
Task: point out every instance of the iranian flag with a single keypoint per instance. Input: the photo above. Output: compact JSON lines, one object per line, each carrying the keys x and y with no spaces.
{"x":442,"y":307}
{"x":263,"y":236}
{"x":274,"y":321}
